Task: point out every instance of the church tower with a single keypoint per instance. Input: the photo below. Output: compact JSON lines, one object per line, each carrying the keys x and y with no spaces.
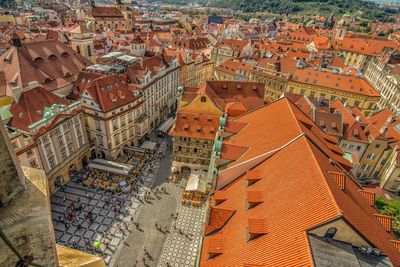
{"x":82,"y":41}
{"x":341,"y":29}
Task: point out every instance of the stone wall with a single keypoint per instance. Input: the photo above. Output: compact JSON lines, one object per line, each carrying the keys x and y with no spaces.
{"x":11,"y":177}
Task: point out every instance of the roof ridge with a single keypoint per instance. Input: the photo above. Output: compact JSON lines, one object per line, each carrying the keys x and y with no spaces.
{"x":308,"y":139}
{"x":267,"y":155}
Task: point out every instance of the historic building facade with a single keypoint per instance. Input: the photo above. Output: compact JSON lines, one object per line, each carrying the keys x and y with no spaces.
{"x":55,"y":136}
{"x":353,"y":90}
{"x":115,"y":116}
{"x":384,"y":76}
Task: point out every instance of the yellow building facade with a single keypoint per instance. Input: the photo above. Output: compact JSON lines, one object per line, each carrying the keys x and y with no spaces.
{"x":352,"y":90}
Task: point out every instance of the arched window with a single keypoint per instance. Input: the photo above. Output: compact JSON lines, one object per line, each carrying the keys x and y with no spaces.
{"x":89,"y":51}
{"x":78,"y":49}
{"x":330,"y":233}
{"x":59,"y":182}
{"x":203,"y":99}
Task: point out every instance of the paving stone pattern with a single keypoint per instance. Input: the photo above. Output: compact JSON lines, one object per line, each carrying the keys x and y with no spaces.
{"x":182,"y":249}
{"x":104,"y":217}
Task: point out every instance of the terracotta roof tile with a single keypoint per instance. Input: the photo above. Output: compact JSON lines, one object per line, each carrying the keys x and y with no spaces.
{"x":334,"y":81}
{"x":218,"y":218}
{"x":31,"y":105}
{"x":296,"y":199}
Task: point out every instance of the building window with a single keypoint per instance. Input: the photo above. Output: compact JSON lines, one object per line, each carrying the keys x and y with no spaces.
{"x":70,"y":148}
{"x":377,"y":146}
{"x":52,"y":163}
{"x":64,"y":153}
{"x":130,"y":117}
{"x":68,"y":136}
{"x":80,"y":141}
{"x":115,"y":124}
{"x":60,"y":141}
{"x":358,"y":148}
{"x":48,"y":150}
{"x":124,"y":135}
{"x":98,"y":125}
{"x":330,"y":233}
{"x":364,"y":167}
{"x":78,"y":49}
{"x":203,"y":99}
{"x":89,"y":51}
{"x":99,"y":140}
{"x":123,"y":121}
{"x":116,"y":139}
{"x":33,"y":164}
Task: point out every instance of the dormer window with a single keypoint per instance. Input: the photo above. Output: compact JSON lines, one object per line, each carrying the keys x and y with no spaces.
{"x":219,"y":197}
{"x":255,"y":228}
{"x":47,"y":80}
{"x":38,"y":59}
{"x":203,"y":99}
{"x":254,"y":198}
{"x":52,"y":57}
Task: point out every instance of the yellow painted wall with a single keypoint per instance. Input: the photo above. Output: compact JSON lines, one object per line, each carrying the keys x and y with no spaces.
{"x":7,"y":19}
{"x":365,"y":103}
{"x":5,"y":100}
{"x":205,"y":108}
{"x":344,"y":233}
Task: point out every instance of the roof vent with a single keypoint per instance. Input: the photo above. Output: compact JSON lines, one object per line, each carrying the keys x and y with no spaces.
{"x":224,"y":86}
{"x":238,"y":86}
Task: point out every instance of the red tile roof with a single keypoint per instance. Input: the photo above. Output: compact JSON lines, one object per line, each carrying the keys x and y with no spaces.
{"x":334,"y":81}
{"x":30,"y":107}
{"x":218,"y":218}
{"x":105,"y":12}
{"x":51,"y":63}
{"x":111,"y":92}
{"x":297,"y":191}
{"x":195,"y":126}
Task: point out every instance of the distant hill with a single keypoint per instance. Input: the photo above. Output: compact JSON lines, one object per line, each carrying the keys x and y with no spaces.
{"x":367,"y":9}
